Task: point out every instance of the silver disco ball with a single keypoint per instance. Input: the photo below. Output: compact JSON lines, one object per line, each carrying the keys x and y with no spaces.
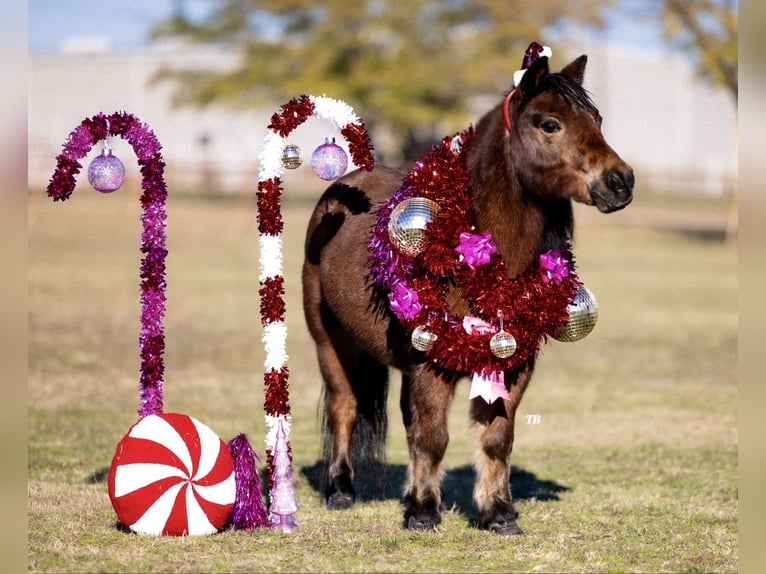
{"x":422,"y":339}
{"x":583,"y":314}
{"x":408,"y":220}
{"x":502,"y":344}
{"x":292,"y":156}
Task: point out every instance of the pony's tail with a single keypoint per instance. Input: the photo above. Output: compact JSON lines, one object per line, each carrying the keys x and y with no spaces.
{"x":368,"y":443}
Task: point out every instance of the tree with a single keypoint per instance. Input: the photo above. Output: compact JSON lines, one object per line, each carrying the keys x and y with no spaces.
{"x":708,"y":30}
{"x":409,"y":66}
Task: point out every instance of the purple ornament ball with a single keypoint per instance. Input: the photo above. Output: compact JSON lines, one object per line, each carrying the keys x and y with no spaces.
{"x":329,"y":161}
{"x":106,"y":172}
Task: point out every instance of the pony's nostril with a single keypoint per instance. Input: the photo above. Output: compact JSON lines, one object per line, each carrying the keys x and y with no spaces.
{"x":630,"y":180}
{"x":619,"y":182}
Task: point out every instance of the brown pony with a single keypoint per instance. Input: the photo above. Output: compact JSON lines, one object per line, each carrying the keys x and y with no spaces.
{"x":522,"y":181}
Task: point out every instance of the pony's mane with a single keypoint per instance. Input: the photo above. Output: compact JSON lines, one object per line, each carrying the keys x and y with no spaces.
{"x":571,"y":91}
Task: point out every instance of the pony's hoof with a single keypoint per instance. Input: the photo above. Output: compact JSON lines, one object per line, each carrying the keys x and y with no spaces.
{"x":420,"y":524}
{"x":340,"y":501}
{"x":506,"y":529}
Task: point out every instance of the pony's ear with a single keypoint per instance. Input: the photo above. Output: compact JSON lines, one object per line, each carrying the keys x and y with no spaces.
{"x":576,"y":69}
{"x":531,"y":78}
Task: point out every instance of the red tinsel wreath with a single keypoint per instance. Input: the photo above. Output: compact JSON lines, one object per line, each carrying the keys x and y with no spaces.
{"x":532,"y":305}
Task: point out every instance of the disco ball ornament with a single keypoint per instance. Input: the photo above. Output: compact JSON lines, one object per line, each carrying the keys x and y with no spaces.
{"x":106,"y":172}
{"x":329,"y":161}
{"x":422,"y":339}
{"x":583,"y":314}
{"x":292,"y":156}
{"x":502,"y":344}
{"x":407,"y":224}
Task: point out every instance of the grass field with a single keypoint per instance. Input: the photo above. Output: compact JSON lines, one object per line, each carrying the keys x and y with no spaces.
{"x":632,"y":466}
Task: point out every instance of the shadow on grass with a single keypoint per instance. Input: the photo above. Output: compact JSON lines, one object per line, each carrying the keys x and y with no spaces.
{"x":387,"y":483}
{"x":98,"y":476}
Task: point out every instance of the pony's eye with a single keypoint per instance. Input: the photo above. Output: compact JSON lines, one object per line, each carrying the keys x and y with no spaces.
{"x":550,"y":126}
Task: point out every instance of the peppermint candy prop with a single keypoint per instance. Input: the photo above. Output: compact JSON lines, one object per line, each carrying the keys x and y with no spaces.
{"x":170,"y":474}
{"x":328,"y":162}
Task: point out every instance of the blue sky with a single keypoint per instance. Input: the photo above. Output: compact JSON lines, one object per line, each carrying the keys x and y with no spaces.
{"x":126,"y":24}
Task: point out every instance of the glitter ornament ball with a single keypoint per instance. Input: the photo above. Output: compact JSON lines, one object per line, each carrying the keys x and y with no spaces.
{"x":407,"y":222}
{"x":329,"y":161}
{"x":502,"y":344}
{"x":106,"y":172}
{"x":292,"y":156}
{"x":583,"y":314}
{"x":422,"y":339}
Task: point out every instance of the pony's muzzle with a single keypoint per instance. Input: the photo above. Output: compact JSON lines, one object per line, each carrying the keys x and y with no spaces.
{"x":614,"y":191}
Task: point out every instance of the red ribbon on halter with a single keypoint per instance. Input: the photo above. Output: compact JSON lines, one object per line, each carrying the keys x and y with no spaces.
{"x":506,"y":113}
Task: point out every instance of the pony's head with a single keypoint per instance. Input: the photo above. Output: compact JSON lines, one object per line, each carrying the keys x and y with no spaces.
{"x":557,"y":146}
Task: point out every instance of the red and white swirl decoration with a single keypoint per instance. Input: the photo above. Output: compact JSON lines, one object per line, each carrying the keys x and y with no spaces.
{"x":172,"y":475}
{"x":270,"y":225}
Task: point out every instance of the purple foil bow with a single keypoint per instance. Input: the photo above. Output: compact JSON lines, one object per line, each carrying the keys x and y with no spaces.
{"x":555,"y":267}
{"x":475,"y":249}
{"x":404,"y":301}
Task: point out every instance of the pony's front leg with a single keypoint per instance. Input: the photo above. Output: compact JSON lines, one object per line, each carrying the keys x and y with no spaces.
{"x":425,"y":402}
{"x":492,"y":493}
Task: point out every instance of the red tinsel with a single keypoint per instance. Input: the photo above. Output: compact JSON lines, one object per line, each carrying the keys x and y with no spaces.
{"x":359,"y":144}
{"x":277,"y":400}
{"x":294,"y":113}
{"x":270,"y":207}
{"x":272,"y":293}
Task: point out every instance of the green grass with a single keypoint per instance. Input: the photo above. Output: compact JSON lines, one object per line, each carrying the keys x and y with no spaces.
{"x":633,"y":466}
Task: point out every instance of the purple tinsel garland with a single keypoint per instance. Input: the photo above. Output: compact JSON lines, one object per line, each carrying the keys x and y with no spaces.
{"x":152,"y":272}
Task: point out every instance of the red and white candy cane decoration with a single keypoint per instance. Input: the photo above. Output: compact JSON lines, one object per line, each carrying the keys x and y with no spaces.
{"x":270,"y":226}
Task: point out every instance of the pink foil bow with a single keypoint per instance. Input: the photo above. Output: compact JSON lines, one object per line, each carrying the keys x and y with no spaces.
{"x":476,"y":326}
{"x":404,"y":301}
{"x":555,"y":267}
{"x":475,"y":249}
{"x":489,"y":387}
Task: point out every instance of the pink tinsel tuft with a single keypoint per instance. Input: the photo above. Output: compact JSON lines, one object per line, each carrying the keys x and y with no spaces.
{"x":249,"y":511}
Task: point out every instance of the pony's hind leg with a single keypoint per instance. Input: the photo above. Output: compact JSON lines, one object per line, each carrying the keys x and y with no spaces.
{"x":354,"y":422}
{"x":339,"y":418}
{"x":425,"y":403}
{"x":354,"y":417}
{"x":492,"y":493}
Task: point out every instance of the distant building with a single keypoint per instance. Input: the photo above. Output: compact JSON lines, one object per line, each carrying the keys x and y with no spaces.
{"x":679,"y":133}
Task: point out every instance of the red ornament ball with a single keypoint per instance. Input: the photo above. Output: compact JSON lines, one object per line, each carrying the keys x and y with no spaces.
{"x":172,"y":475}
{"x":106,"y":172}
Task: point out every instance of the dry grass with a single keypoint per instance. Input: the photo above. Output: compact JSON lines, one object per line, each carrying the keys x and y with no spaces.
{"x":633,"y":466}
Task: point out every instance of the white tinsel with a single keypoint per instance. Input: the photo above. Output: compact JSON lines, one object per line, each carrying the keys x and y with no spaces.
{"x":337,"y":112}
{"x":270,"y":247}
{"x":275,"y":344}
{"x":271,"y":157}
{"x":272,"y":424}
